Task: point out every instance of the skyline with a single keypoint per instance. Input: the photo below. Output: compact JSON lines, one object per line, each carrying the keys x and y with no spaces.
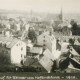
{"x":49,"y":6}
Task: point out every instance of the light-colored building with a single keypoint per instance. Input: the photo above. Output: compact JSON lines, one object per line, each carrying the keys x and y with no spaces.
{"x":35,"y":52}
{"x":18,"y":27}
{"x":8,"y":26}
{"x":64,"y":47}
{"x":48,"y":54}
{"x":16,"y":49}
{"x":48,"y":40}
{"x":7,"y":32}
{"x":46,"y":63}
{"x":27,"y":27}
{"x":46,"y":60}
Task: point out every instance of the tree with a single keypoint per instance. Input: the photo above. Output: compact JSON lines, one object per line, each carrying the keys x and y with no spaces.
{"x":71,"y":41}
{"x":75,"y":28}
{"x":64,"y":64}
{"x":32,"y":35}
{"x":4,"y":58}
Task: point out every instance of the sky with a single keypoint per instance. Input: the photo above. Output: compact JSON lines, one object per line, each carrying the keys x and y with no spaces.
{"x":51,"y":6}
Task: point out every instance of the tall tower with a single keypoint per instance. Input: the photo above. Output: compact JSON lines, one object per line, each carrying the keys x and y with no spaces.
{"x":31,"y":14}
{"x":61,"y":16}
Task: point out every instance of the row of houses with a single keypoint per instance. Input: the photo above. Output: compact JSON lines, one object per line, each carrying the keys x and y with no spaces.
{"x":20,"y":50}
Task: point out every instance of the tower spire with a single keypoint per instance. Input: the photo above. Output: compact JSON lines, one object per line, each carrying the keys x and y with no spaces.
{"x":61,"y":15}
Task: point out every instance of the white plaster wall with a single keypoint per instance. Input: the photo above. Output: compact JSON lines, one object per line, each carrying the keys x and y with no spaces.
{"x":7,"y":33}
{"x":18,"y":27}
{"x":16,"y":52}
{"x":51,"y":45}
{"x":27,"y":27}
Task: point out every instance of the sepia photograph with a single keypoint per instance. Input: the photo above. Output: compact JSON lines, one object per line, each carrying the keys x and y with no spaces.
{"x":40,"y":36}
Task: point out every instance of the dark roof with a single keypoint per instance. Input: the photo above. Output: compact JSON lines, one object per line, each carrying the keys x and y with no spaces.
{"x":10,"y":42}
{"x":75,"y":63}
{"x":77,"y":48}
{"x":64,"y":64}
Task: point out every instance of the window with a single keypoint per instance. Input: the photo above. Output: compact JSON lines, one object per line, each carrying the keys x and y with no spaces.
{"x":44,"y":41}
{"x":44,"y":36}
{"x":21,"y":48}
{"x":21,"y":55}
{"x":28,"y":49}
{"x":44,"y":45}
{"x":17,"y":45}
{"x":24,"y":56}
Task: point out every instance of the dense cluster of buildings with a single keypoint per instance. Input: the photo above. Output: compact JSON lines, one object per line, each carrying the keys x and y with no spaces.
{"x":49,"y":51}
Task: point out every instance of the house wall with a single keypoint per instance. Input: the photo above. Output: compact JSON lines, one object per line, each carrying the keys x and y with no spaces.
{"x":7,"y":33}
{"x":27,"y":27}
{"x":64,"y":47}
{"x":18,"y":27}
{"x":8,"y":26}
{"x":18,"y":52}
{"x":50,"y":44}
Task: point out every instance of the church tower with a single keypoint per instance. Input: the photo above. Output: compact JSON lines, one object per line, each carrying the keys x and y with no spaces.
{"x":61,"y":16}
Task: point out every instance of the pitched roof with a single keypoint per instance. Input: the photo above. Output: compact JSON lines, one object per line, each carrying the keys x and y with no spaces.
{"x":13,"y":42}
{"x":46,"y":63}
{"x":72,"y":67}
{"x":36,"y":50}
{"x":50,"y":37}
{"x":70,"y":63}
{"x":9,"y":41}
{"x":48,"y":54}
{"x":73,"y":51}
{"x":46,"y":60}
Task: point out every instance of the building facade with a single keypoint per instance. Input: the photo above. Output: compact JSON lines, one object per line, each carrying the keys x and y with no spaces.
{"x":47,"y":40}
{"x":16,"y":49}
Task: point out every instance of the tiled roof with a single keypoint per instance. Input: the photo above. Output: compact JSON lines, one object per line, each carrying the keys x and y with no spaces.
{"x":10,"y":42}
{"x":46,"y":63}
{"x":72,"y":63}
{"x":46,"y":60}
{"x":48,"y":54}
{"x":36,"y":50}
{"x":13,"y":42}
